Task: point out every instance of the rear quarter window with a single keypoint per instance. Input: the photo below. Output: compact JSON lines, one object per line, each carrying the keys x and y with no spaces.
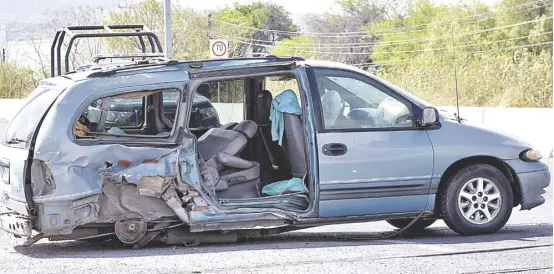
{"x":21,"y":129}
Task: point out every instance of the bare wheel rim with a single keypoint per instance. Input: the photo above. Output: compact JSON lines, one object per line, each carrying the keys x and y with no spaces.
{"x":479,"y":200}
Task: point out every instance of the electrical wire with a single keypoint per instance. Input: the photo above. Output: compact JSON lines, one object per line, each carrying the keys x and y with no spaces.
{"x":365,"y":33}
{"x":375,"y":64}
{"x":373,"y":45}
{"x":390,"y":43}
{"x":395,"y":52}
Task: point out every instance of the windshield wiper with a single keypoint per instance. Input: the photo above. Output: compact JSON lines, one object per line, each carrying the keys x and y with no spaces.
{"x":16,"y":141}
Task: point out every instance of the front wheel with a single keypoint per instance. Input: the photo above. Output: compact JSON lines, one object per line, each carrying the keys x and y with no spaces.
{"x":477,"y":200}
{"x":419,"y":225}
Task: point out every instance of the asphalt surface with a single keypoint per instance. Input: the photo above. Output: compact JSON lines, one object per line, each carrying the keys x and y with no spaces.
{"x":523,"y":246}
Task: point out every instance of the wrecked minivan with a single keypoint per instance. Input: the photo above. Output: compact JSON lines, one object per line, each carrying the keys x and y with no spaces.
{"x":312,"y":143}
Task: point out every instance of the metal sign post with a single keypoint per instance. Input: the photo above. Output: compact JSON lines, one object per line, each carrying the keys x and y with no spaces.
{"x":168,"y":33}
{"x":3,"y":43}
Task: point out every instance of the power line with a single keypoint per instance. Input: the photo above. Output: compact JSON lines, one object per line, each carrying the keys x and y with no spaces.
{"x":365,"y":33}
{"x":548,"y":3}
{"x":510,"y":48}
{"x":390,"y":43}
{"x":396,"y":52}
{"x":467,"y":52}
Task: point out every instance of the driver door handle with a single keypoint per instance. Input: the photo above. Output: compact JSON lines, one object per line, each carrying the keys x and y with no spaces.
{"x":334,"y":149}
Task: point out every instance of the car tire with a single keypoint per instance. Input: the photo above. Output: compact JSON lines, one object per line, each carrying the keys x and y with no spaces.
{"x":478,"y":199}
{"x":419,"y":225}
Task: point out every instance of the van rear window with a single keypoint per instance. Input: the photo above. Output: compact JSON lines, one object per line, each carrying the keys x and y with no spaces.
{"x":21,"y":129}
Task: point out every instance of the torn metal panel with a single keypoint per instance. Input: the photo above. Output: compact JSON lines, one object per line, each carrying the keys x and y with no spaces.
{"x":42,"y":180}
{"x":131,"y":172}
{"x":77,"y":171}
{"x":172,"y":199}
{"x":153,"y":186}
{"x":266,"y":222}
{"x":119,"y":198}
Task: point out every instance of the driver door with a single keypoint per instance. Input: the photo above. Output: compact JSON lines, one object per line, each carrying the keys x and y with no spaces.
{"x":372,"y":157}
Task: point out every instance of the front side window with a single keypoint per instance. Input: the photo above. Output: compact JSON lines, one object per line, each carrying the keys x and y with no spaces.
{"x":348,"y":101}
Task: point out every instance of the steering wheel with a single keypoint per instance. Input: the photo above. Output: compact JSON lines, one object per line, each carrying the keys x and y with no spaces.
{"x":361,"y":118}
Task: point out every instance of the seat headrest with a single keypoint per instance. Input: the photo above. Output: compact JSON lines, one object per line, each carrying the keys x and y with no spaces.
{"x":331,"y":105}
{"x":263,"y":106}
{"x":247,"y":127}
{"x":204,"y":90}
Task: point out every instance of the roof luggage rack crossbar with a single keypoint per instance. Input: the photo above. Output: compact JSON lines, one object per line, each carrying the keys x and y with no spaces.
{"x":138,"y":31}
{"x":98,"y":57}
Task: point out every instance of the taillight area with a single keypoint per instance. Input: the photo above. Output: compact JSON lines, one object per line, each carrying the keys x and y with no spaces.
{"x":4,"y":171}
{"x":5,"y":175}
{"x":42,"y":179}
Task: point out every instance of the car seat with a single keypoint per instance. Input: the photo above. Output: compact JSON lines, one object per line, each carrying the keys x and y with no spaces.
{"x":233,"y":177}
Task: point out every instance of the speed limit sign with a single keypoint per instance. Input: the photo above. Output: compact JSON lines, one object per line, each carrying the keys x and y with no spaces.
{"x":219,"y":48}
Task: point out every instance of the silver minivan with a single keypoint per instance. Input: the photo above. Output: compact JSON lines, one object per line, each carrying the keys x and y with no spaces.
{"x":339,"y":145}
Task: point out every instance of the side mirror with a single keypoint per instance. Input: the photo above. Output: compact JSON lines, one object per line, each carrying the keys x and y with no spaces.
{"x":430,"y":116}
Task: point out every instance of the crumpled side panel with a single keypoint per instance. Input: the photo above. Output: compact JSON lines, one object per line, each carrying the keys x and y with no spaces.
{"x":77,"y":170}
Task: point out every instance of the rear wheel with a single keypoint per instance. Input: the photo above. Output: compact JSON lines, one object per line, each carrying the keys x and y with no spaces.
{"x":477,"y":200}
{"x":419,"y":225}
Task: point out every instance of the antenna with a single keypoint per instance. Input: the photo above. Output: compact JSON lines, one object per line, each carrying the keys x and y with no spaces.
{"x":455,"y":75}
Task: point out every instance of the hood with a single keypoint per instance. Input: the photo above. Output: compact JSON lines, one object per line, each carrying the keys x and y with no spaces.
{"x":473,"y":140}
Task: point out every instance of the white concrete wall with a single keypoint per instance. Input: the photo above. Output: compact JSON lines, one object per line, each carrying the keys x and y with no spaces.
{"x":533,"y":125}
{"x":229,"y":112}
{"x":9,"y":107}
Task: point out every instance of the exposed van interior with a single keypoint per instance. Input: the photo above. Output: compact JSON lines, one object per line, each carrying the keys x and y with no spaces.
{"x":250,"y":135}
{"x":259,"y":153}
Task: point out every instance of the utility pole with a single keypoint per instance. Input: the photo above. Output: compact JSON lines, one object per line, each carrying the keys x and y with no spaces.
{"x":3,"y":43}
{"x":168,"y":33}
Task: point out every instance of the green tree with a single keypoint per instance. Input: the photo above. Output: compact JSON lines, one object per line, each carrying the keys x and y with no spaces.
{"x":256,"y":19}
{"x":496,"y":59}
{"x":15,"y":82}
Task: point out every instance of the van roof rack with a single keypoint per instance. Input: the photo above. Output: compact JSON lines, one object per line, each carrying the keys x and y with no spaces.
{"x":98,"y":31}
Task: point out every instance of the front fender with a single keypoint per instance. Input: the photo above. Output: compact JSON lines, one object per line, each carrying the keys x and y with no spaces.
{"x":454,"y":142}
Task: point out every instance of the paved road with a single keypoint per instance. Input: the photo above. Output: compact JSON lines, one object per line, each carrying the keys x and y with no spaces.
{"x":523,"y":246}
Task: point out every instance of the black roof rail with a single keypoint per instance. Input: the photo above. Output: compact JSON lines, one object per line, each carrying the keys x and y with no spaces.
{"x":112,"y":71}
{"x":139,"y":31}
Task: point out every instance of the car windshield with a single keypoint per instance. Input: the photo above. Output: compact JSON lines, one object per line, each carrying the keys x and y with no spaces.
{"x":22,"y":127}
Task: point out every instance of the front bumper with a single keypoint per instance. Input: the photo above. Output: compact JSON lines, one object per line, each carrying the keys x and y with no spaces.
{"x":533,"y":186}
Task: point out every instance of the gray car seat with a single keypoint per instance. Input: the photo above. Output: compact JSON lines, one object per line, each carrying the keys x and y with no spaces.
{"x":233,"y":177}
{"x":294,"y":144}
{"x":271,"y":155}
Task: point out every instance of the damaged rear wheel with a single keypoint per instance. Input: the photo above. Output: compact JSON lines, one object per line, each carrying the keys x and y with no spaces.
{"x":130,"y":227}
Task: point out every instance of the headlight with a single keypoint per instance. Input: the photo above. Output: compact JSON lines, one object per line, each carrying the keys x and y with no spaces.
{"x":530,"y":155}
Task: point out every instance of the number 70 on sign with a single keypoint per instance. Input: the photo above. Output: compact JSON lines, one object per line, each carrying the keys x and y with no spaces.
{"x":219,"y":48}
